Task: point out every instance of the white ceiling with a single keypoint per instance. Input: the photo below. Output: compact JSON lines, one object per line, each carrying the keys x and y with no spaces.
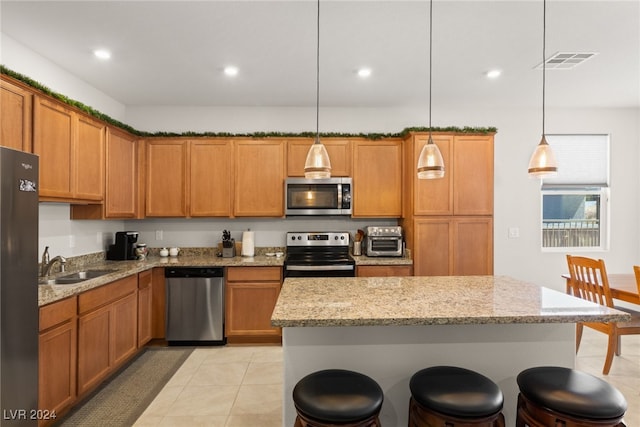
{"x":173,"y":52}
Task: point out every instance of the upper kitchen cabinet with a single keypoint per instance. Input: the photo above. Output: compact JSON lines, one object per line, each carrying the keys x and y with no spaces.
{"x":16,"y":107}
{"x":166,"y":178}
{"x":71,"y":150}
{"x":211,"y":178}
{"x":339,"y":151}
{"x":377,"y":178}
{"x":260,"y":170}
{"x":467,"y":186}
{"x":121,"y":198}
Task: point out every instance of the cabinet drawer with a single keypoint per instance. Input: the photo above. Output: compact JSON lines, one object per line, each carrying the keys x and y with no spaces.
{"x":58,"y":312}
{"x":105,"y":294}
{"x":254,"y":274}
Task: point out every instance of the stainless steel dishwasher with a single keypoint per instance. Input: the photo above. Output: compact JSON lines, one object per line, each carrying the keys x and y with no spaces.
{"x":195,"y":305}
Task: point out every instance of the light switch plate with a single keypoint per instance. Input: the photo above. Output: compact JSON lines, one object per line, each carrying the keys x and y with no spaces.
{"x":514,"y":232}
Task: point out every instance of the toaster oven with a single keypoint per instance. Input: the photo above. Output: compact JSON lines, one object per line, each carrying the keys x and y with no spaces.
{"x":383,"y":241}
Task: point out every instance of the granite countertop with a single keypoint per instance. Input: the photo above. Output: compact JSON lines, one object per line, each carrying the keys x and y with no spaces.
{"x":451,"y":300}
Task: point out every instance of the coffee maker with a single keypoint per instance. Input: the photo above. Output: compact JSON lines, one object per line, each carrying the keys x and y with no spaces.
{"x":125,"y":246}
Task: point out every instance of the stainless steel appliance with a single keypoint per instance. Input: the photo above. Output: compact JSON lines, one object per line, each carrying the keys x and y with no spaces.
{"x":18,"y":288}
{"x":383,"y":241}
{"x":318,"y":254}
{"x":330,"y":196}
{"x":125,"y":246}
{"x":195,"y":305}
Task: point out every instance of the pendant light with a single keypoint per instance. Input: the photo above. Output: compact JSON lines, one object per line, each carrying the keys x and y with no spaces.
{"x":430,"y":163}
{"x":317,"y":165}
{"x":543,"y":161}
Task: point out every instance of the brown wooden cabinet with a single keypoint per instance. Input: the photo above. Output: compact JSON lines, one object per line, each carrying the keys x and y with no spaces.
{"x":377,"y":178}
{"x":251,"y":294}
{"x":121,"y":198}
{"x":259,"y":177}
{"x":166,"y":178}
{"x":145,"y":307}
{"x":210,"y":178}
{"x":57,"y":357}
{"x":16,"y":107}
{"x":457,"y":246}
{"x":430,"y":196}
{"x":339,"y":151}
{"x":384,"y":270}
{"x":71,"y":150}
{"x":107,"y":330}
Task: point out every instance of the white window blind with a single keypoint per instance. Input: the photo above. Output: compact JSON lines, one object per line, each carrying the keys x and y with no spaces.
{"x":583,"y":160}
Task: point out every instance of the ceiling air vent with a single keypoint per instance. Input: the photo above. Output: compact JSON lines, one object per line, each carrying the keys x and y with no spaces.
{"x":566,"y":60}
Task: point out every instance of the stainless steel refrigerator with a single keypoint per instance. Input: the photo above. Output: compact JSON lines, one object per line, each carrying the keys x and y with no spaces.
{"x":18,"y":288}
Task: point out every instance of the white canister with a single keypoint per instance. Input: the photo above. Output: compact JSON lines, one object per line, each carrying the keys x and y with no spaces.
{"x":248,"y":243}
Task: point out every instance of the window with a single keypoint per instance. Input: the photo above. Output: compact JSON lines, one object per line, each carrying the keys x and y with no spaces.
{"x":575,"y":203}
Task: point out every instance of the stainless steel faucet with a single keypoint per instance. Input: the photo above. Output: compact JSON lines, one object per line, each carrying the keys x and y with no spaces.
{"x":47,"y":265}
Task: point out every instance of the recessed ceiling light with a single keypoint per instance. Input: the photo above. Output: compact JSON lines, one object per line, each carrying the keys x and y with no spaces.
{"x":493,"y":74}
{"x":102,"y":54}
{"x":231,"y":70}
{"x":364,"y":72}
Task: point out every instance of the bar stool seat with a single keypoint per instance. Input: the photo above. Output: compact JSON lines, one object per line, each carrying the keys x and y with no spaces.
{"x":337,"y":397}
{"x":454,"y":396}
{"x":575,"y":398}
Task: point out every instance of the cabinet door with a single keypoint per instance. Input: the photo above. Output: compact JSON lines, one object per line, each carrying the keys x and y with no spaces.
{"x":124,"y":332}
{"x":339,"y":151}
{"x":93,"y":348}
{"x":473,"y":246}
{"x":473,"y":175}
{"x":433,"y":196}
{"x":121,"y":193}
{"x":432,"y":247}
{"x":260,"y":173}
{"x":16,"y":105}
{"x":377,"y":178}
{"x":54,"y":136}
{"x":89,"y":160}
{"x":249,"y":307}
{"x":166,"y":179}
{"x":145,"y":307}
{"x":211,"y":178}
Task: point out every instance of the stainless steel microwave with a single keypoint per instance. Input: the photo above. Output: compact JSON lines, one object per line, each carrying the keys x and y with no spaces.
{"x":328,"y":196}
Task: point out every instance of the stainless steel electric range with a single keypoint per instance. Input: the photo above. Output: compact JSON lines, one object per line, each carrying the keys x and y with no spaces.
{"x":318,"y":254}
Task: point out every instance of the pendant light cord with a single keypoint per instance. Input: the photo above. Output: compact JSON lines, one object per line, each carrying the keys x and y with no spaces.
{"x":544,"y":57}
{"x":318,"y":78}
{"x":430,"y":60}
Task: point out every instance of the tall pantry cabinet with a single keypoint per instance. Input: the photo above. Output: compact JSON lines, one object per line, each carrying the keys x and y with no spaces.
{"x":448,"y":222}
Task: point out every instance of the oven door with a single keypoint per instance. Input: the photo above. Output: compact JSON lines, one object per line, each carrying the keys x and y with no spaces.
{"x":343,"y":270}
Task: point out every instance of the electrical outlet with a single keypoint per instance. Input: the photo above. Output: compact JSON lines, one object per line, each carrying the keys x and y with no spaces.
{"x":158,"y":234}
{"x":99,"y":237}
{"x":514,"y":232}
{"x":72,"y":241}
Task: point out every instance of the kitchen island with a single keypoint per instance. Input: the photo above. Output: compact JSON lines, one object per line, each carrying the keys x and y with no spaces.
{"x":389,"y":328}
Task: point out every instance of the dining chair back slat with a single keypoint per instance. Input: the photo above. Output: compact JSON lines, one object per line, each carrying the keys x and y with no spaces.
{"x":589,"y":280}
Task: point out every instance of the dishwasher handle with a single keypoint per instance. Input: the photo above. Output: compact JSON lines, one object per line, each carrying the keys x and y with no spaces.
{"x":194,"y":272}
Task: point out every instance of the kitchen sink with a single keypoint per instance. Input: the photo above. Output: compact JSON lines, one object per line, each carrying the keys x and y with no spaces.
{"x":77,"y":277}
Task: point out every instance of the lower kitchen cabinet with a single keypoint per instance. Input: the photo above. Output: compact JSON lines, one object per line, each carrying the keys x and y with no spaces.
{"x":453,"y":246}
{"x":251,"y":294}
{"x":384,"y":270}
{"x":57,"y":358}
{"x":107,"y":330}
{"x":145,"y":307}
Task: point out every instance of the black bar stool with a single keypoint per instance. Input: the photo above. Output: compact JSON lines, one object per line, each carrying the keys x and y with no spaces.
{"x":551,"y":395}
{"x":337,"y":397}
{"x":455,"y":397}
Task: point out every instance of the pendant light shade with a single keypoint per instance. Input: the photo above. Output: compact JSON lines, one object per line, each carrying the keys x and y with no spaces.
{"x":543,"y":161}
{"x":317,"y":165}
{"x":430,"y":162}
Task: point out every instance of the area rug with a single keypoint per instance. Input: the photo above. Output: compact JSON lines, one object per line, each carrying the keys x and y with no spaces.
{"x":119,"y":401}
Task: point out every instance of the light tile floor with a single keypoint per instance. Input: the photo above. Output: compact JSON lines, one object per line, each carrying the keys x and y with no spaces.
{"x":242,"y":386}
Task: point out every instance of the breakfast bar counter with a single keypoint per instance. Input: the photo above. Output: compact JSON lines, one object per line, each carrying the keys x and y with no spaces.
{"x":389,"y":328}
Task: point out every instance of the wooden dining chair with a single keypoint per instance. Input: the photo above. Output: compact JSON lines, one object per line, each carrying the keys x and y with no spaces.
{"x":589,"y":281}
